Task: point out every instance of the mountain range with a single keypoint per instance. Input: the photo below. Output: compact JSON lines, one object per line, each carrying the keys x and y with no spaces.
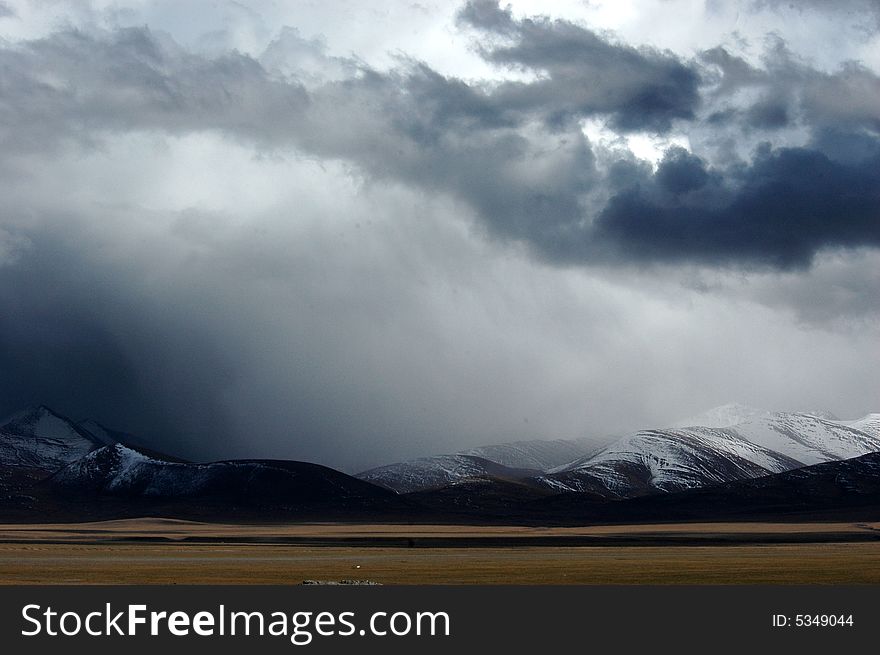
{"x":732,"y":460}
{"x":726,"y":444}
{"x":51,"y":465}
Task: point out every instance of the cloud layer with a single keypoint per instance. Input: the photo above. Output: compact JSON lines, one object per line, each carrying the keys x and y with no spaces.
{"x":295,"y":252}
{"x":514,"y":150}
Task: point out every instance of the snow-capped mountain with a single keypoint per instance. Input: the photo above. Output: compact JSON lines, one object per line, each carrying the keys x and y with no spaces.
{"x":108,"y":437}
{"x":869,"y":424}
{"x":440,"y":471}
{"x":735,"y":443}
{"x":44,"y":455}
{"x":39,"y":438}
{"x":810,"y":439}
{"x":843,"y":490}
{"x":668,"y":460}
{"x":515,"y":461}
{"x":840,"y":490}
{"x":117,"y":470}
{"x":727,"y":443}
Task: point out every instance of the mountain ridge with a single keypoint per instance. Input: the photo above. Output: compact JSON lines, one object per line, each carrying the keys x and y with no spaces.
{"x":739,"y":442}
{"x":53,"y":467}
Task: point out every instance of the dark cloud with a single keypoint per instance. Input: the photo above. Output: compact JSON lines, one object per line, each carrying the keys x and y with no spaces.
{"x":681,"y":172}
{"x":410,"y":125}
{"x":530,"y":178}
{"x":780,"y":211}
{"x":270,"y":340}
{"x":845,"y":146}
{"x":75,"y":85}
{"x":583,"y":74}
{"x":304,"y":333}
{"x":6,"y":11}
{"x":791,"y":92}
{"x":768,"y":115}
{"x":848,"y":99}
{"x":732,"y":72}
{"x":333,"y":342}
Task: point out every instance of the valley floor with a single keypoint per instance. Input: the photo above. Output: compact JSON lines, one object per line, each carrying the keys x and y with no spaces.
{"x":156,"y":551}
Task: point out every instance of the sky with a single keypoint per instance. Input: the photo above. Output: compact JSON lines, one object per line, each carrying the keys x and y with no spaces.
{"x":352,"y":233}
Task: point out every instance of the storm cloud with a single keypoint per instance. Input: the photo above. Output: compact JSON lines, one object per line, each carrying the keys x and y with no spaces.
{"x":789,"y":204}
{"x":296,"y":250}
{"x":513,"y":151}
{"x":583,"y":74}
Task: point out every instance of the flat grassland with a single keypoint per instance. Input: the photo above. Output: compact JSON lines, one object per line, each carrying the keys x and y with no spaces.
{"x":160,"y":551}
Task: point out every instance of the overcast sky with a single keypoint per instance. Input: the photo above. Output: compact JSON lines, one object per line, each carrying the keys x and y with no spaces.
{"x":352,"y":233}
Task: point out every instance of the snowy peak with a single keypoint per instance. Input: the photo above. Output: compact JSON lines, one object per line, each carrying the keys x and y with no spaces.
{"x":734,"y":443}
{"x":40,"y":438}
{"x":118,"y":470}
{"x":103,"y":435}
{"x":808,"y":438}
{"x":869,"y":424}
{"x":440,"y":471}
{"x":728,"y":443}
{"x":104,"y":468}
{"x":668,"y":460}
{"x":44,"y":423}
{"x":515,"y":461}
